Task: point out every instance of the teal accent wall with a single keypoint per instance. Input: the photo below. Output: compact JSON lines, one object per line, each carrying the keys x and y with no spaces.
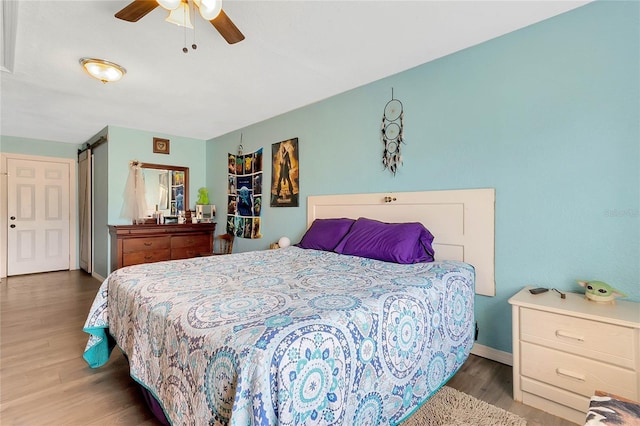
{"x":130,"y":144}
{"x":44,"y":148}
{"x":548,"y":115}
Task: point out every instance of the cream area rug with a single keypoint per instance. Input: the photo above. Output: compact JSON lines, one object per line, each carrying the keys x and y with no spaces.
{"x":449,"y":407}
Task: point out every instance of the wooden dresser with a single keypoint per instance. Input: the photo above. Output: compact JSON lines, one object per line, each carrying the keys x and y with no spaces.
{"x":136,"y":244}
{"x":566,"y":349}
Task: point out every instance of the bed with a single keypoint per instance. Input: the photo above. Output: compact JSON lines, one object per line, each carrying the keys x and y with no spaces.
{"x":289,"y":336}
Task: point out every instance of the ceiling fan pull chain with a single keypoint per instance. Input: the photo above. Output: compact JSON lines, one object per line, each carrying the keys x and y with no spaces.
{"x":194,"y":46}
{"x":184,"y":20}
{"x":184,"y":49}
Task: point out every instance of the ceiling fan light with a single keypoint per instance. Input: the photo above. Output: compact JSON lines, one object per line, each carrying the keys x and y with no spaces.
{"x":210,"y":9}
{"x":102,"y":70}
{"x":169,"y":4}
{"x":180,"y":16}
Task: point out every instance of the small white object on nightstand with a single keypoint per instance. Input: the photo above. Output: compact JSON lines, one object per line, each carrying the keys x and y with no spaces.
{"x":284,"y":242}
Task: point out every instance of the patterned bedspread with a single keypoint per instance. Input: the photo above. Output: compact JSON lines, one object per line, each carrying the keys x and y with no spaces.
{"x":288,"y":336}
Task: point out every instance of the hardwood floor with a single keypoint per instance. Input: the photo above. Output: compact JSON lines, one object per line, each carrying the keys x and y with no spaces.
{"x":491,"y":382}
{"x":45,"y":381}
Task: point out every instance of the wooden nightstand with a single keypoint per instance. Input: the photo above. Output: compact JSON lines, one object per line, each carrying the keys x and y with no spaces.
{"x":565,"y":349}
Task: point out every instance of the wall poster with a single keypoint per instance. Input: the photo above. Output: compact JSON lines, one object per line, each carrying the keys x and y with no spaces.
{"x":285,"y":174}
{"x":244,"y":194}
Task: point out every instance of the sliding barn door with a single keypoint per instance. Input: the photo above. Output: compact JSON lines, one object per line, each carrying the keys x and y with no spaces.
{"x":84,"y":208}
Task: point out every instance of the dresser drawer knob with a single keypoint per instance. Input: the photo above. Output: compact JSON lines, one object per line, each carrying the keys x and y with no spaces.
{"x":570,"y":374}
{"x":148,"y":244}
{"x":569,"y":335}
{"x":148,"y":257}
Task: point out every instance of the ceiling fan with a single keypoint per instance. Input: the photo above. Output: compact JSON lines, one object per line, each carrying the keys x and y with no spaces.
{"x":211,"y":10}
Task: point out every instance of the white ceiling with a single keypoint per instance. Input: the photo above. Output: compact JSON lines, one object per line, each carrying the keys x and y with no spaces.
{"x":295,"y":53}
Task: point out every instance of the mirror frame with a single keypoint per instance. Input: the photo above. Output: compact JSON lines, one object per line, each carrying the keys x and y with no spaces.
{"x":176,"y":169}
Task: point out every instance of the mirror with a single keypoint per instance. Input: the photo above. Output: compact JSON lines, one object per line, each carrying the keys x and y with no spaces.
{"x":167,"y":187}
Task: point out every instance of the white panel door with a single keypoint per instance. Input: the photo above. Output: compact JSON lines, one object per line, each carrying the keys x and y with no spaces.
{"x":38,"y":210}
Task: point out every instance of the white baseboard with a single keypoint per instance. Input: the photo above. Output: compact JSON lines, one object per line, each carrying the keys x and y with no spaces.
{"x":97,"y":277}
{"x":492,"y":354}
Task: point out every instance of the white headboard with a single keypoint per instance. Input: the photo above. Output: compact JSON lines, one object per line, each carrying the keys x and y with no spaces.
{"x":462,"y":221}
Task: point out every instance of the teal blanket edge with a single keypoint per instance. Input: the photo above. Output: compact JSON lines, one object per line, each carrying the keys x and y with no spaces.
{"x":98,"y":354}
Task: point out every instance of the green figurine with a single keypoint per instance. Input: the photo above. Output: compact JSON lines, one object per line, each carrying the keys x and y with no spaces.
{"x":203,"y":196}
{"x":600,"y":292}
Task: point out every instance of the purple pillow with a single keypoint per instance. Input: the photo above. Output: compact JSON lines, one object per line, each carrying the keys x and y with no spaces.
{"x":325,"y":234}
{"x":391,"y":242}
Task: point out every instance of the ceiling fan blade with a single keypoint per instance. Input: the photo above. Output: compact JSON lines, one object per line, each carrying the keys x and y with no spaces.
{"x":227,"y":28}
{"x":136,"y":10}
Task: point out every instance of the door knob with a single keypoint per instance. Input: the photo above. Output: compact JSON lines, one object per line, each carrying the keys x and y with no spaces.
{"x":13,"y":218}
{"x":12,"y":226}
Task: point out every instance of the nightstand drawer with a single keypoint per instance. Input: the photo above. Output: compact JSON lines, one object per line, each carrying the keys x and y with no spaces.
{"x":597,"y":340}
{"x":554,"y":400}
{"x":575,"y":373}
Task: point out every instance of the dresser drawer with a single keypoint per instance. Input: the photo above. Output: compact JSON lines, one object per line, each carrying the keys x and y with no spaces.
{"x":147,"y":256}
{"x":131,"y":245}
{"x":180,"y":241}
{"x":187,"y":252}
{"x":575,"y":373}
{"x":593,"y":339}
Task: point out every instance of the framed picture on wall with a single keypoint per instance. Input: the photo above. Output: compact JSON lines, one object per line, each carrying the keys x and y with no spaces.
{"x":160,"y":146}
{"x":285,"y":181}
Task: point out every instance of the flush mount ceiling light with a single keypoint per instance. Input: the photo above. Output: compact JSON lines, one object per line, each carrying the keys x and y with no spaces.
{"x":102,"y":70}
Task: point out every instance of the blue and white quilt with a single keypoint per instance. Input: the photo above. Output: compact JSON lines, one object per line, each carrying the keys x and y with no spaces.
{"x":288,"y":336}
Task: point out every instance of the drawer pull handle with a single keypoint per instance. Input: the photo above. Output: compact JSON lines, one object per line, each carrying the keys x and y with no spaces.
{"x":571,"y":374}
{"x":568,"y":335}
{"x":148,"y":257}
{"x":148,"y":244}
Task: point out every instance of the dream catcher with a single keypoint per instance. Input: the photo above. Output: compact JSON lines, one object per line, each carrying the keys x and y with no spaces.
{"x":392,"y":124}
